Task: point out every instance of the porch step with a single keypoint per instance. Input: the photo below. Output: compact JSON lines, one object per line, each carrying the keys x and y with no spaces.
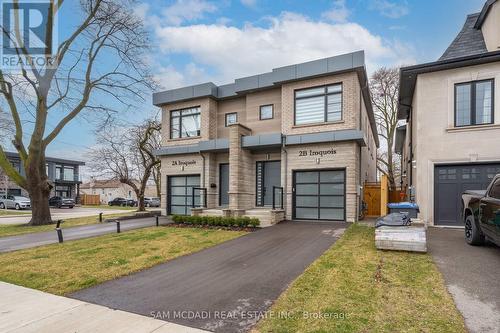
{"x":212,"y":212}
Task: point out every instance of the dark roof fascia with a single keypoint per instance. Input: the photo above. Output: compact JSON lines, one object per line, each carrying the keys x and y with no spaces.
{"x":269,"y":80}
{"x":408,"y":75}
{"x":483,"y":14}
{"x":48,"y":159}
{"x":365,"y":90}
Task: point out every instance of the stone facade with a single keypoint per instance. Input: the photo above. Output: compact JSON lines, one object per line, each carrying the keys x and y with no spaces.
{"x":356,"y":157}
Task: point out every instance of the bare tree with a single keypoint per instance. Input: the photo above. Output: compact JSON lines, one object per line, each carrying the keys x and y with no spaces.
{"x":128,"y":155}
{"x":96,"y":68}
{"x":384,"y":85}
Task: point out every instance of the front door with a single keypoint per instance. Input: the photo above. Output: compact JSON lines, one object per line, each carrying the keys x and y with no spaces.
{"x":223,"y":184}
{"x":268,"y":175}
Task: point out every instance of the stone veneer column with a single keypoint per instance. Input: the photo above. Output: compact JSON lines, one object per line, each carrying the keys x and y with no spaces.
{"x":240,"y":166}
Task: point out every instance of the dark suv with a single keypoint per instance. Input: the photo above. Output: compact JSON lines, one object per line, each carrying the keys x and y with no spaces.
{"x":60,"y":202}
{"x":122,"y":202}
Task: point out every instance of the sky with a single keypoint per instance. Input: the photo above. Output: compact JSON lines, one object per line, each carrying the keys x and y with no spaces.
{"x":195,"y":41}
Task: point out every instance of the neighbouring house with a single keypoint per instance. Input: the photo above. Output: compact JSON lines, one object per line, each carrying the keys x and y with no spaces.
{"x":298,"y":142}
{"x":110,"y":189}
{"x":451,"y":140}
{"x":63,"y":174}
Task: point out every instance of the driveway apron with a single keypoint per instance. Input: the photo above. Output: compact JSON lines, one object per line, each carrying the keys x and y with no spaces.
{"x":225,"y":288}
{"x":471,"y":274}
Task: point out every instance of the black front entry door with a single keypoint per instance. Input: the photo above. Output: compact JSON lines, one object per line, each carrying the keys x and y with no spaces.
{"x":268,"y":175}
{"x":223,"y":184}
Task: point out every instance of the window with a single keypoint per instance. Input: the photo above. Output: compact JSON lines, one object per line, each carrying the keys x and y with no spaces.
{"x":231,"y":118}
{"x":474,"y":103}
{"x":266,"y":112}
{"x":495,"y":190}
{"x":59,"y":171}
{"x":185,"y":123}
{"x":318,"y":105}
{"x":69,"y":173}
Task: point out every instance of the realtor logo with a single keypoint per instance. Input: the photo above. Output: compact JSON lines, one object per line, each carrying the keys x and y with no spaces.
{"x":28,"y":38}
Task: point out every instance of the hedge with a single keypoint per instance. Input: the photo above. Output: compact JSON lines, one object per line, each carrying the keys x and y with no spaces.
{"x":218,"y":221}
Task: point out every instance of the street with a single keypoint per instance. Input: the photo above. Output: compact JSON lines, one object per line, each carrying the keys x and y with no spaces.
{"x":61,"y":214}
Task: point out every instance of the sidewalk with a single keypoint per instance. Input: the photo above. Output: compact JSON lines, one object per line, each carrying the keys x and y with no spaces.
{"x":25,"y":241}
{"x":28,"y":310}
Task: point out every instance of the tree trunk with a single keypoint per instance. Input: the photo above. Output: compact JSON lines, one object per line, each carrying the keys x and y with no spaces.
{"x":140,"y":202}
{"x":40,"y":206}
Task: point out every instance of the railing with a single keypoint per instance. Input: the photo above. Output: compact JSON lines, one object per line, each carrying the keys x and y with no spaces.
{"x":279,"y":202}
{"x":203,"y":195}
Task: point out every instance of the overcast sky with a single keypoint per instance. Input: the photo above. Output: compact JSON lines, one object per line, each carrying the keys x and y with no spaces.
{"x":196,"y":41}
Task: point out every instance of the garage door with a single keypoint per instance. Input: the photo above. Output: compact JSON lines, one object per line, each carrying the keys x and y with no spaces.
{"x":180,"y":191}
{"x":319,"y":195}
{"x":449,"y":183}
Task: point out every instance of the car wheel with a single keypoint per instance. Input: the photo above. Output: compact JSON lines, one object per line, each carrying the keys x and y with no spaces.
{"x":70,"y":207}
{"x":473,"y":235}
{"x":18,"y":207}
{"x":2,"y":206}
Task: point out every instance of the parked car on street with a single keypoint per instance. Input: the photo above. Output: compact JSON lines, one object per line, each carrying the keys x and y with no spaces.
{"x":60,"y":202}
{"x":122,"y":202}
{"x":481,"y":214}
{"x":14,"y":202}
{"x":151,"y":202}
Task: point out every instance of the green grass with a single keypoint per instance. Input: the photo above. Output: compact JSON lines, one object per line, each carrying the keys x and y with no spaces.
{"x":14,"y":212}
{"x":67,"y":267}
{"x":19,"y":229}
{"x":366,"y":290}
{"x":109,"y":207}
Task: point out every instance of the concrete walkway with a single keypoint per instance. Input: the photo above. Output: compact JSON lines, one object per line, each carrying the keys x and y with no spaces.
{"x":24,"y":310}
{"x":471,"y":274}
{"x":226,"y":288}
{"x":25,"y":241}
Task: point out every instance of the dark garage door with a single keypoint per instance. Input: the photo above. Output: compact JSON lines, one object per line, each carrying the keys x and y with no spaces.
{"x":449,"y":183}
{"x":180,"y":191}
{"x":319,"y":195}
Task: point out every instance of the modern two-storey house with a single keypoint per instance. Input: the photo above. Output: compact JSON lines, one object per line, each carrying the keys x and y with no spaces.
{"x":451,"y":140}
{"x":294,"y":143}
{"x":64,"y":175}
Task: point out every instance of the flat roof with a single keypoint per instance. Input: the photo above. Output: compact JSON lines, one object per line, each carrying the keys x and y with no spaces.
{"x":275,"y":78}
{"x":49,"y":159}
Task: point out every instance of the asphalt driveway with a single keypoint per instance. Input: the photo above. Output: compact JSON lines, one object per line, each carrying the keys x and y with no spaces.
{"x":225,"y":288}
{"x":472,"y":276}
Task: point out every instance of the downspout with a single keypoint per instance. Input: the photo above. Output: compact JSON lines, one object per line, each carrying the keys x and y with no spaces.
{"x":203,"y":175}
{"x":360,"y":169}
{"x":285,"y":193}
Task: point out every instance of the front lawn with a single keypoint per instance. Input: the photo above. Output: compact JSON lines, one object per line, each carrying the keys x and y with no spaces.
{"x":71,"y":266}
{"x":4,"y":212}
{"x":355,"y":288}
{"x":19,"y":229}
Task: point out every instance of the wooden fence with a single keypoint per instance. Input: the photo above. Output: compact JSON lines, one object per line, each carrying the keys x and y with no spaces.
{"x":378,"y":195}
{"x":90,"y":199}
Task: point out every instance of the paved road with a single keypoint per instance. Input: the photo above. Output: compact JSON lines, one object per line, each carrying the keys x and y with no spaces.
{"x":62,"y":213}
{"x":471,"y":274}
{"x":85,"y":231}
{"x":226,"y":286}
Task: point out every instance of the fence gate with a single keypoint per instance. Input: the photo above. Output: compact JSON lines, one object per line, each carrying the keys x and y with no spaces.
{"x":372,"y":198}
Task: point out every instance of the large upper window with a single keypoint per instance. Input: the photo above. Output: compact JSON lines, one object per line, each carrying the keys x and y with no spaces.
{"x":318,"y":105}
{"x":185,"y":123}
{"x":69,"y":173}
{"x":474,"y":103}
